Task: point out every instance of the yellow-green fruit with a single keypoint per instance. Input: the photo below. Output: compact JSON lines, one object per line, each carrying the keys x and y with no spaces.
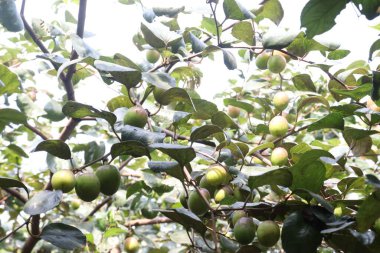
{"x":257,"y":161}
{"x":233,"y":111}
{"x":276,"y":63}
{"x":241,"y":195}
{"x":281,"y":100}
{"x":205,"y":184}
{"x":131,"y":245}
{"x":222,"y":193}
{"x":149,"y":213}
{"x":136,"y":116}
{"x":109,"y":178}
{"x":75,"y":204}
{"x":158,"y":94}
{"x":196,"y":203}
{"x":279,"y":156}
{"x":278,"y":126}
{"x":268,"y":233}
{"x":286,"y":56}
{"x":338,"y":211}
{"x":236,"y":215}
{"x":376,"y":226}
{"x":262,"y":61}
{"x":152,"y":56}
{"x":244,"y":230}
{"x":63,"y":180}
{"x":87,"y":186}
{"x":216,"y":175}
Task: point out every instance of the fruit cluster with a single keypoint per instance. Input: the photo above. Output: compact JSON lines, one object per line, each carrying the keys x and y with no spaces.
{"x":88,"y":186}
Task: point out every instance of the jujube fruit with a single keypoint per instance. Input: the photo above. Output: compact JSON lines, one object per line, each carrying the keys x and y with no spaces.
{"x":236,"y":215}
{"x":222,"y":193}
{"x":276,"y":63}
{"x":152,"y":56}
{"x":131,"y":245}
{"x":262,"y":61}
{"x":280,"y":100}
{"x":63,"y":180}
{"x":241,"y":194}
{"x":233,"y":111}
{"x":109,"y":178}
{"x":268,"y":233}
{"x":87,"y":186}
{"x":279,"y":156}
{"x":205,"y":184}
{"x":216,"y":175}
{"x":136,"y":116}
{"x":244,"y":230}
{"x":196,"y":203}
{"x":278,"y":126}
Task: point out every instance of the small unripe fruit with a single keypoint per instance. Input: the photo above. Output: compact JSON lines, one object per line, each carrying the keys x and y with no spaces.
{"x":262,"y":61}
{"x":149,"y":213}
{"x":205,"y":184}
{"x":279,"y":156}
{"x":268,"y":233}
{"x":236,"y":215}
{"x":233,"y":111}
{"x":276,"y":63}
{"x":376,"y":226}
{"x":131,"y":245}
{"x":244,"y":230}
{"x":152,"y":56}
{"x":75,"y":204}
{"x":87,"y":186}
{"x":278,"y":126}
{"x":158,"y":94}
{"x":222,"y":193}
{"x":109,"y":178}
{"x":241,"y":195}
{"x":286,"y":56}
{"x":216,"y":175}
{"x":136,"y":116}
{"x":63,"y":180}
{"x":196,"y":203}
{"x":281,"y":100}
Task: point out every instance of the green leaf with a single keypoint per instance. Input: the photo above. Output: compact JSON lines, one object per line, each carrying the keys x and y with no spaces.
{"x":375,"y":92}
{"x":209,"y":24}
{"x":204,"y":109}
{"x":9,"y":183}
{"x":318,"y":198}
{"x":174,"y":94}
{"x":299,"y":235}
{"x":332,"y":120}
{"x":196,"y":44}
{"x":42,"y":202}
{"x":53,"y":111}
{"x":244,"y":31}
{"x":281,"y":177}
{"x":261,"y":147}
{"x":180,"y":118}
{"x":338,"y":54}
{"x":357,"y":93}
{"x":127,"y":2}
{"x":270,"y":9}
{"x":303,"y":82}
{"x":234,"y":10}
{"x":243,"y":105}
{"x":278,"y":38}
{"x":128,"y":76}
{"x":302,"y":45}
{"x":204,"y":132}
{"x":170,"y":12}
{"x":368,"y":213}
{"x":78,"y":110}
{"x":159,"y":79}
{"x":318,"y":16}
{"x":56,"y":148}
{"x":8,"y":115}
{"x":172,"y":168}
{"x":114,"y":232}
{"x":370,"y":8}
{"x":182,"y":154}
{"x":312,"y":100}
{"x":133,"y":148}
{"x":229,"y":60}
{"x":63,"y":236}
{"x":357,"y":134}
{"x":119,"y":102}
{"x":82,"y":49}
{"x":186,"y":219}
{"x":374,"y":47}
{"x":17,"y":150}
{"x":130,"y":133}
{"x":9,"y":82}
{"x":159,"y":36}
{"x":222,"y":120}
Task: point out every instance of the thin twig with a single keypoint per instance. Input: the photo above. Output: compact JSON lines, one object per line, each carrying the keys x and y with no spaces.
{"x":97,"y":208}
{"x":36,"y":131}
{"x":15,"y":230}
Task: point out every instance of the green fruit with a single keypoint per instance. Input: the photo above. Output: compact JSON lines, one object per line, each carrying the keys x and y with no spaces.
{"x":276,"y":63}
{"x":338,"y":211}
{"x":233,"y":111}
{"x":241,"y":194}
{"x":136,"y":116}
{"x":244,"y":230}
{"x":376,"y":226}
{"x":205,"y":184}
{"x":152,"y":56}
{"x":183,"y":200}
{"x":257,"y":161}
{"x":75,"y":204}
{"x":101,"y":224}
{"x":262,"y":61}
{"x":278,"y":126}
{"x":236,"y":215}
{"x":158,"y":94}
{"x":222,"y":193}
{"x":279,"y":156}
{"x":63,"y":180}
{"x":131,"y":245}
{"x":286,"y":56}
{"x":268,"y":233}
{"x":87,"y":187}
{"x":10,"y":17}
{"x":149,"y":213}
{"x":109,"y":178}
{"x":216,"y":175}
{"x":196,"y":203}
{"x":281,"y":100}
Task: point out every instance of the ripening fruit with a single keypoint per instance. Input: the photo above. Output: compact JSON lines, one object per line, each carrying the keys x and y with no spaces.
{"x":276,"y":63}
{"x":262,"y":61}
{"x":131,"y":245}
{"x":257,"y":161}
{"x":236,"y":215}
{"x":196,"y":203}
{"x":268,"y":233}
{"x":222,"y":193}
{"x":372,"y":105}
{"x":279,"y":156}
{"x":63,"y":180}
{"x":233,"y":111}
{"x":278,"y":126}
{"x":244,"y":230}
{"x":281,"y":100}
{"x":205,"y":184}
{"x":109,"y":178}
{"x":87,"y":186}
{"x":286,"y":56}
{"x":216,"y":175}
{"x":152,"y":56}
{"x":136,"y":116}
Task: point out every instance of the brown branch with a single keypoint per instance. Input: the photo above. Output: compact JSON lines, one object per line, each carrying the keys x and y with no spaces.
{"x":97,"y":208}
{"x":16,"y":194}
{"x":36,"y":131}
{"x":15,"y":230}
{"x":143,"y":222}
{"x":69,"y":128}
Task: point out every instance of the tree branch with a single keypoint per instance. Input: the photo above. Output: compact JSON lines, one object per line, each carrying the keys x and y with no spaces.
{"x":97,"y":208}
{"x":36,"y":131}
{"x":16,"y":194}
{"x":143,"y":222}
{"x":15,"y":230}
